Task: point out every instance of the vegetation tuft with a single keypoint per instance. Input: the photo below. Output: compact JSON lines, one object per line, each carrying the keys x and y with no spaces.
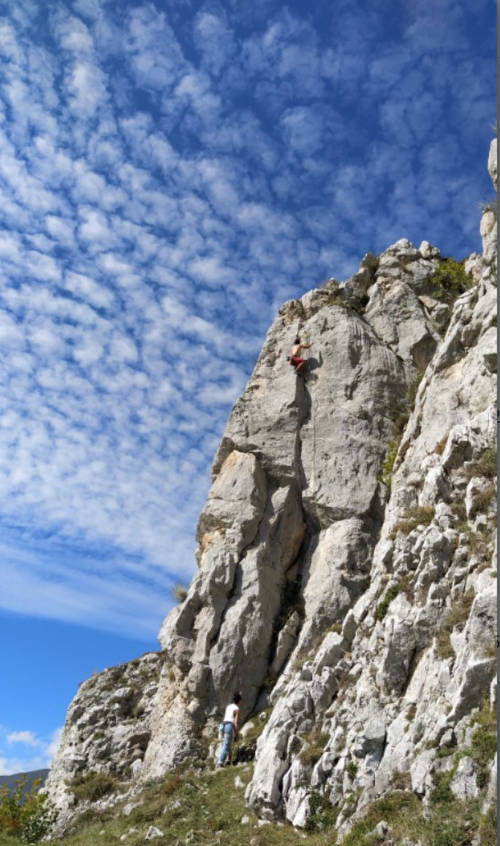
{"x":450,"y":280}
{"x":314,"y":744}
{"x":402,"y":586}
{"x":456,"y":618}
{"x":323,"y":814}
{"x":483,"y":742}
{"x":179,"y":593}
{"x":383,"y":606}
{"x":412,"y":393}
{"x":486,"y":465}
{"x":448,"y":822}
{"x":482,"y":501}
{"x":92,"y":786}
{"x":420,"y":515}
{"x":351,"y":769}
{"x":388,"y":466}
{"x":26,"y":814}
{"x":439,"y":448}
{"x":336,"y":299}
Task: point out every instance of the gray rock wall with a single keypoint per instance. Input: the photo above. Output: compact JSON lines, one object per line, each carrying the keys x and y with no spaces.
{"x":360,"y":606}
{"x":107,"y":728}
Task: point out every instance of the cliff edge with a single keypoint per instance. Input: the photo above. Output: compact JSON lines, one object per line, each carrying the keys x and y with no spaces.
{"x":346,"y":576}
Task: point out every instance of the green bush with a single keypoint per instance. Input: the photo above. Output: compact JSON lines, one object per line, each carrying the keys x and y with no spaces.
{"x":322,"y":813}
{"x":179,"y":593}
{"x":482,"y":501}
{"x":420,"y":515}
{"x":450,"y":280}
{"x":441,"y":791}
{"x":92,"y":786}
{"x":27,"y":813}
{"x":486,"y":465}
{"x":383,"y":606}
{"x":412,"y":393}
{"x":488,"y":827}
{"x":483,"y":742}
{"x":403,"y":585}
{"x":456,"y":617}
{"x":389,"y":808}
{"x":351,"y":769}
{"x":314,"y":746}
{"x":388,"y":466}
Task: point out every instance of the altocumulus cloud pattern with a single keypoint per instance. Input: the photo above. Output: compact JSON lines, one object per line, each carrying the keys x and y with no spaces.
{"x":169,"y":174}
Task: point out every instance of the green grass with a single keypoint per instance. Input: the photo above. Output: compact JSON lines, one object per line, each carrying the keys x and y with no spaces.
{"x":258,"y":727}
{"x":92,"y":786}
{"x":388,"y":466}
{"x":456,"y":618}
{"x":383,"y":606}
{"x":201,"y":802}
{"x":448,"y":822}
{"x":484,"y":742}
{"x":482,"y":501}
{"x":395,"y":809}
{"x":488,"y":828}
{"x":314,"y":745}
{"x":351,"y":769}
{"x":420,"y":515}
{"x":323,"y":814}
{"x":486,"y":465}
{"x":205,"y":808}
{"x":402,"y":586}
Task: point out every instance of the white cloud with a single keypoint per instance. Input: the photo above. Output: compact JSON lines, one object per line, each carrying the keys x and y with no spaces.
{"x":215,"y":40}
{"x":168,"y":180}
{"x":25,"y":737}
{"x":74,"y":35}
{"x":54,"y":743}
{"x":27,"y":762}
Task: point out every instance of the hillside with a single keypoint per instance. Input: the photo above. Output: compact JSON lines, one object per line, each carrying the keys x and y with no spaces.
{"x":346,"y":581}
{"x":34,"y":775}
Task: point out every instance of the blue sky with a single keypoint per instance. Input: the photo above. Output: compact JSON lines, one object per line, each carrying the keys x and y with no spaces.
{"x":170,"y":173}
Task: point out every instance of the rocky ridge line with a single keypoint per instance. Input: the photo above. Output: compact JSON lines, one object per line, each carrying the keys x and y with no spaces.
{"x":359,"y":608}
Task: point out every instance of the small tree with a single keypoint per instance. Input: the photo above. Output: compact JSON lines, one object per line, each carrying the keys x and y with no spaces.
{"x":387,"y":469}
{"x":450,"y":280}
{"x":179,"y":593}
{"x":25,"y":812}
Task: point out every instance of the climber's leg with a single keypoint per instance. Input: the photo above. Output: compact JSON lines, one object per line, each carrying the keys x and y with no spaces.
{"x":226,"y":745}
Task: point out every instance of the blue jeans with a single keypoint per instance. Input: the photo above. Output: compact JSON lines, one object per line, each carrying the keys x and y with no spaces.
{"x":226,"y":742}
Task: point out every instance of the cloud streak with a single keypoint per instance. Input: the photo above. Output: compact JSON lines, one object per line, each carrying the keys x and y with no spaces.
{"x":23,"y":757}
{"x":168,"y":178}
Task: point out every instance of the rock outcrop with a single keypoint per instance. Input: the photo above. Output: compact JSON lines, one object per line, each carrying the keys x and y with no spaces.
{"x":345,"y":553}
{"x":107,"y":729}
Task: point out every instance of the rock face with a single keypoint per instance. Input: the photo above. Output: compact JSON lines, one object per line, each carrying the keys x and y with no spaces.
{"x":107,"y":728}
{"x":345,"y":574}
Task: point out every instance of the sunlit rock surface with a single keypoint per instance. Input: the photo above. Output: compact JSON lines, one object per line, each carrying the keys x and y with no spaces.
{"x":351,"y":594}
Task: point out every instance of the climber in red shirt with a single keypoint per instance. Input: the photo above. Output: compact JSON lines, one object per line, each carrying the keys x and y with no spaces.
{"x":295,"y":358}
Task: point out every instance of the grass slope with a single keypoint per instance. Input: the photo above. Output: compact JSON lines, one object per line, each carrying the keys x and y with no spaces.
{"x":205,"y":808}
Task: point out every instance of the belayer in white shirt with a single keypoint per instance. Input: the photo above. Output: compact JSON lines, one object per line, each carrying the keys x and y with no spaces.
{"x":229,"y":727}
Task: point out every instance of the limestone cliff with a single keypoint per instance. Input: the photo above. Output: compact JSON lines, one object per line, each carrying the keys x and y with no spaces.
{"x":345,"y":572}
